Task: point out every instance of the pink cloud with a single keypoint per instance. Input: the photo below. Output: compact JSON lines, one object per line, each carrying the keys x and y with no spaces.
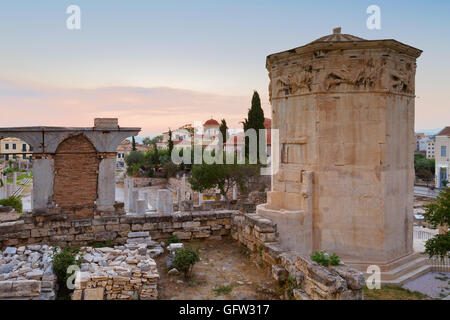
{"x":152,"y":109}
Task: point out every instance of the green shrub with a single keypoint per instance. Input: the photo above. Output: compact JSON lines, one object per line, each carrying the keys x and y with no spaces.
{"x":185,"y":259}
{"x":169,"y":169}
{"x":325,"y":259}
{"x":13,"y":201}
{"x":173,"y":238}
{"x":133,"y":170}
{"x":60,"y":262}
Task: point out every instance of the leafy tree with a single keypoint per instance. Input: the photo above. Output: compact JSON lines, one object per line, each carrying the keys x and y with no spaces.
{"x":221,"y":176}
{"x":254,"y":120}
{"x":151,"y":141}
{"x":224,"y":130}
{"x":147,"y":141}
{"x":437,"y":213}
{"x":133,"y":144}
{"x":135,"y":157}
{"x":422,"y":163}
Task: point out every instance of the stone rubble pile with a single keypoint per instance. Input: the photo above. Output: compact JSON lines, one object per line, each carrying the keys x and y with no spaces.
{"x":125,"y":272}
{"x":26,"y":273}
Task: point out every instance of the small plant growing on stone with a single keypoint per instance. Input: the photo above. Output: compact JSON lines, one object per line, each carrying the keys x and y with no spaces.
{"x":185,"y":259}
{"x":61,"y":260}
{"x":222,"y":290}
{"x":289,"y":286}
{"x":325,"y":259}
{"x":173,"y":238}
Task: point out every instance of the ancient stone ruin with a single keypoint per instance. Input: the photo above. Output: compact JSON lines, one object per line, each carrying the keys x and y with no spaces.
{"x":344,"y":108}
{"x":73,"y":168}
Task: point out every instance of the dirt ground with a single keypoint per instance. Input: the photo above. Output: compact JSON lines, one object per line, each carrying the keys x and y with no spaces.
{"x":225,"y":271}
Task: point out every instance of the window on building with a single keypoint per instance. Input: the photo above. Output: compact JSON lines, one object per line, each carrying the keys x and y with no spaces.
{"x":24,"y":147}
{"x":6,"y":146}
{"x":443,"y":151}
{"x":14,"y":146}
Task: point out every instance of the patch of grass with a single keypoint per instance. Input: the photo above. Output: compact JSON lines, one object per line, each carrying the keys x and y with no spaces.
{"x":12,"y":201}
{"x":223,"y":290}
{"x":445,"y":278}
{"x":393,"y":293}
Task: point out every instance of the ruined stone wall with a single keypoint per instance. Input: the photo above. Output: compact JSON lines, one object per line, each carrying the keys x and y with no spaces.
{"x":26,"y":273}
{"x":314,"y":281}
{"x":119,"y":274}
{"x":76,"y":172}
{"x":62,"y":229}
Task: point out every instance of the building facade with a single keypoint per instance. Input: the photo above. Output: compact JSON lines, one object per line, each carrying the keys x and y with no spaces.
{"x":14,"y":148}
{"x":430,"y":147}
{"x":442,"y":157}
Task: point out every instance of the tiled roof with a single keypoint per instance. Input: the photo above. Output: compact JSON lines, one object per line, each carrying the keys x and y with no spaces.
{"x":337,"y":36}
{"x":444,"y":132}
{"x":211,"y":122}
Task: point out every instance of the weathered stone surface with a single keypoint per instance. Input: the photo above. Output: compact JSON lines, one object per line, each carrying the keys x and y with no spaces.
{"x":138,"y":234}
{"x":279,"y":273}
{"x":320,"y":100}
{"x":94,"y":294}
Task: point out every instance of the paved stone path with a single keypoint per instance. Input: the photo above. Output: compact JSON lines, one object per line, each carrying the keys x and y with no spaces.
{"x":433,"y":284}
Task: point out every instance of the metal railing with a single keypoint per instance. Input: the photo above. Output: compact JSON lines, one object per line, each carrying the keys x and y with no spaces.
{"x":440,"y":265}
{"x":423,"y":235}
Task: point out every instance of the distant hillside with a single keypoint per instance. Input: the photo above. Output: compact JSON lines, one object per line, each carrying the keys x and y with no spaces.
{"x":429,"y":132}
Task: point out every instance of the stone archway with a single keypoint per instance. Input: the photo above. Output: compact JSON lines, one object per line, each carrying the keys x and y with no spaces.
{"x":76,"y":171}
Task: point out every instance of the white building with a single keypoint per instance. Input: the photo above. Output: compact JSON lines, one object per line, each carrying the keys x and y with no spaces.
{"x":442,"y":156}
{"x":430,"y":147}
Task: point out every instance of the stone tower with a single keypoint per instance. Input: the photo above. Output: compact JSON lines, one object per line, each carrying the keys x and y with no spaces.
{"x":344,"y":108}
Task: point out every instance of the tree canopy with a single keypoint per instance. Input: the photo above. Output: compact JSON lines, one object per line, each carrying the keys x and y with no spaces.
{"x":437,"y":214}
{"x":221,"y":176}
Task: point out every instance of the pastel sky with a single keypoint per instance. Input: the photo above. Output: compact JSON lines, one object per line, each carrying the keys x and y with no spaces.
{"x":160,"y":64}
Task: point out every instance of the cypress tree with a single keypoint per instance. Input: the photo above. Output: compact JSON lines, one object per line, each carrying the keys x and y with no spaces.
{"x":133,"y":144}
{"x":170,"y":143}
{"x":254,"y":120}
{"x":224,"y":130}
